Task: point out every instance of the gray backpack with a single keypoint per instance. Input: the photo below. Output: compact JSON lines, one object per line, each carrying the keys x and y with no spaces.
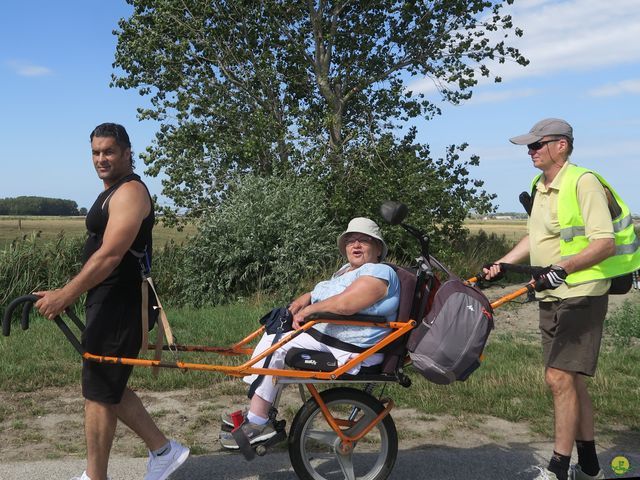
{"x":446,"y":346}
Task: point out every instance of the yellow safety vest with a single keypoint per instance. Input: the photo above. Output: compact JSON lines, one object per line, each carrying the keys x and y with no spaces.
{"x":572,"y":231}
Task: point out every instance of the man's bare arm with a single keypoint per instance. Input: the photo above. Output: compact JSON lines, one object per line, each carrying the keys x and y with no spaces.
{"x":597,"y":251}
{"x":128,"y":207}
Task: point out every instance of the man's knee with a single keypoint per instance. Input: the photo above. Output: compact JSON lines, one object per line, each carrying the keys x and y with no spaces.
{"x":94,"y":407}
{"x":559,"y":381}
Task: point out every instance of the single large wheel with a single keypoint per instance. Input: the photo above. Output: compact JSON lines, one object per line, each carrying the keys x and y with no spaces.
{"x":316,"y":450}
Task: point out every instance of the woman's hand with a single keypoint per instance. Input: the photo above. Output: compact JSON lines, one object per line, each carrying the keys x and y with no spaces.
{"x":299,"y":303}
{"x":299,"y":319}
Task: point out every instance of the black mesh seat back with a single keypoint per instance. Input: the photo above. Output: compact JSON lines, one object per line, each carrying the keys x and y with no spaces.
{"x":396,"y":351}
{"x":408,"y":282}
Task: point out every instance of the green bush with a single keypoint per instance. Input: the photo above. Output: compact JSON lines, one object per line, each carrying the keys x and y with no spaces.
{"x":270,"y":235}
{"x":168,"y":272}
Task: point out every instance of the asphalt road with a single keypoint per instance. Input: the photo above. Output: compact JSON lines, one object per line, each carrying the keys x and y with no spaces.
{"x":438,"y":463}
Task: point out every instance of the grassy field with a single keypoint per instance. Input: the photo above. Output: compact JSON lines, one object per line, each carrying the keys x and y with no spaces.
{"x":12,"y":227}
{"x":513,"y":230}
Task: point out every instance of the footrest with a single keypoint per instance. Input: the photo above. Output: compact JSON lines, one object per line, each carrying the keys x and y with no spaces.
{"x":243,"y":443}
{"x":249,"y":451}
{"x":262,"y":447}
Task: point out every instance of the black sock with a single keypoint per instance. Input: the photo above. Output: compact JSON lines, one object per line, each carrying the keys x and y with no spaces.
{"x":587,"y":458}
{"x":559,"y":464}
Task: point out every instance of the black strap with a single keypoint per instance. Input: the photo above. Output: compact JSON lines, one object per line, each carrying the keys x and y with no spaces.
{"x":334,"y":342}
{"x":256,"y":383}
{"x":278,"y":321}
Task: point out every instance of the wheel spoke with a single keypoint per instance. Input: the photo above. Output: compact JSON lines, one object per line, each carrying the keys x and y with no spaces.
{"x":323,"y":437}
{"x":360,"y":425}
{"x":346,"y":465}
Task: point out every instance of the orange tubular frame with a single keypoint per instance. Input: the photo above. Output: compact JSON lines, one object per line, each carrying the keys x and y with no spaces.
{"x":336,"y":423}
{"x":399,"y":329}
{"x":247,"y":368}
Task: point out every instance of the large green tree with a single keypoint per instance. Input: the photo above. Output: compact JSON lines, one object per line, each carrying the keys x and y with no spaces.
{"x":315,"y":87}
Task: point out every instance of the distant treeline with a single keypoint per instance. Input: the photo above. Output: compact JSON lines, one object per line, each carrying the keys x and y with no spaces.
{"x":39,"y":206}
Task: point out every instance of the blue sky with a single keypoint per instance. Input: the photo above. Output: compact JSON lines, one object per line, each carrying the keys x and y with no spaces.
{"x":55,"y":67}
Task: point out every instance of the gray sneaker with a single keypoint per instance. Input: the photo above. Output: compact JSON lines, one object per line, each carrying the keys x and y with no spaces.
{"x":576,"y":473}
{"x":545,"y":474}
{"x":255,"y":433}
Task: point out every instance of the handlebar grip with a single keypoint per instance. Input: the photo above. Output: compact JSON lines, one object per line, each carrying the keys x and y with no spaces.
{"x":6,"y":319}
{"x":527,"y":269}
{"x":26,"y":310}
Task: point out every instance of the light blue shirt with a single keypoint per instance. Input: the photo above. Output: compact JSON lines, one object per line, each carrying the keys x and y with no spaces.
{"x":386,"y":307}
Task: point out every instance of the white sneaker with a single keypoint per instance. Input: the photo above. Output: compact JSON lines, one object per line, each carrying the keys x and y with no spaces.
{"x":159,"y":468}
{"x":84,"y":476}
{"x":576,"y":473}
{"x":545,"y":474}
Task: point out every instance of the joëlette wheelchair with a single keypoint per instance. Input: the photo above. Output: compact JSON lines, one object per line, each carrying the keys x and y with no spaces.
{"x":339,"y":432}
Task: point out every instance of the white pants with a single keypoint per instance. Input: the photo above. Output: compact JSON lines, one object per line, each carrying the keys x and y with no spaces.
{"x":267,"y":389}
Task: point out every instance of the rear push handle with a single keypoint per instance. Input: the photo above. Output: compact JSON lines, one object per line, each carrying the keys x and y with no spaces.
{"x":28,"y":301}
{"x":532,"y":270}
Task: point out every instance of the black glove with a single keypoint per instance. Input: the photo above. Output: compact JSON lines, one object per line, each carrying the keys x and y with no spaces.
{"x":550,"y":278}
{"x":499,"y":276}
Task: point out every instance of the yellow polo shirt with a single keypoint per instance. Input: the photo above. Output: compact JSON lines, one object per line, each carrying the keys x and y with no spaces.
{"x":544,"y":230}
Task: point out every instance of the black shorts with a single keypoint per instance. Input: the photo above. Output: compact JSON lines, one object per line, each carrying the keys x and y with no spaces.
{"x":113,"y":329}
{"x":571,"y":333}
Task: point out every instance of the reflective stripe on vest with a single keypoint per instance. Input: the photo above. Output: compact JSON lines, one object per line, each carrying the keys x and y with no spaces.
{"x":568,"y":233}
{"x":572,"y":231}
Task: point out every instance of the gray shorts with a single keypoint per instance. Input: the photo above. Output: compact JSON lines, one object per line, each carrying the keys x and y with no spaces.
{"x":571,"y":333}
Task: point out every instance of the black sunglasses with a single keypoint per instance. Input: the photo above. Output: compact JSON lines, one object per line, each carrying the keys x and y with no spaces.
{"x":539,"y":145}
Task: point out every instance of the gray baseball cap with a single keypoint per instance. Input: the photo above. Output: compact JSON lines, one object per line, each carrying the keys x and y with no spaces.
{"x":548,"y":126}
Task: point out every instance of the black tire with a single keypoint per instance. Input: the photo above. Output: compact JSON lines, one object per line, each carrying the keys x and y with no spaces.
{"x":312,"y":442}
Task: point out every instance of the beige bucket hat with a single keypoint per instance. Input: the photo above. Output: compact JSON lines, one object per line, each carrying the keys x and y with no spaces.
{"x":366,"y":226}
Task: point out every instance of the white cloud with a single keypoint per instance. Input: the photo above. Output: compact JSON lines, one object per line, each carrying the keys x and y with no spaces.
{"x":575,"y":35}
{"x":565,"y":36}
{"x":618,"y":88}
{"x":28,"y":69}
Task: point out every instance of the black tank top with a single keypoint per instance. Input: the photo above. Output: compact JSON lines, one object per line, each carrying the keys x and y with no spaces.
{"x":128,"y":271}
